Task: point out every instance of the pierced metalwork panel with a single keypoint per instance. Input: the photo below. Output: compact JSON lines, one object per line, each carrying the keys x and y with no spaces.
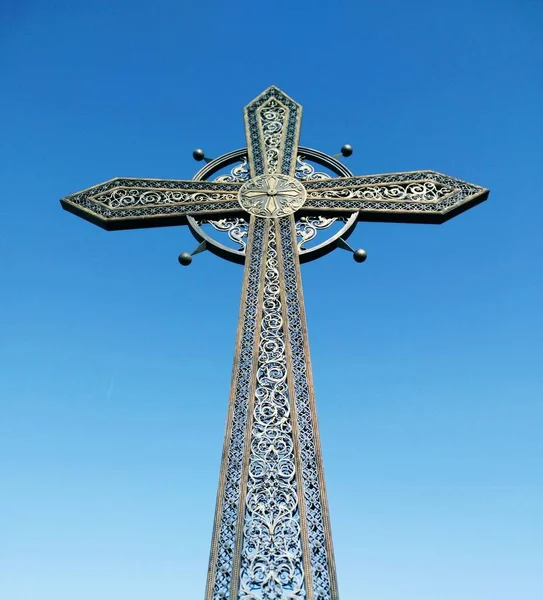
{"x":390,"y":194}
{"x":133,"y":197}
{"x":272,"y":124}
{"x":271,"y":565}
{"x":237,"y":229}
{"x":323,"y":576}
{"x":272,"y":534}
{"x":305,"y":171}
{"x":240,"y":172}
{"x":127,"y":203}
{"x":230,"y":489}
{"x":417,"y":191}
{"x":308,"y":227}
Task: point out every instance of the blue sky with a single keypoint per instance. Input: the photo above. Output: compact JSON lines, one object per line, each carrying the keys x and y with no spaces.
{"x":116,"y":361}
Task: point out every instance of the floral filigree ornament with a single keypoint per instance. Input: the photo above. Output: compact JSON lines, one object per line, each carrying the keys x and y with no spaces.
{"x":236,"y":228}
{"x":140,"y":197}
{"x":271,"y":558}
{"x":420,"y":191}
{"x":272,"y":196}
{"x":272,"y":115}
{"x":240,"y":172}
{"x":306,"y":171}
{"x":307,"y":228}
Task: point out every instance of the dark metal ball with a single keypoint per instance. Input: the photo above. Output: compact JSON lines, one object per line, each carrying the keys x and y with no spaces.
{"x":347,"y":150}
{"x":198,"y":154}
{"x":360,"y":255}
{"x":184,"y":259}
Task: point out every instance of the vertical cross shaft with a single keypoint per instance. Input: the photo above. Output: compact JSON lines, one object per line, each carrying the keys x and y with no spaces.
{"x":271,"y":537}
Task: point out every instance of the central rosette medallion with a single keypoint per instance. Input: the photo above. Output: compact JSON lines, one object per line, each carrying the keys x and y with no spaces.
{"x":272,"y":196}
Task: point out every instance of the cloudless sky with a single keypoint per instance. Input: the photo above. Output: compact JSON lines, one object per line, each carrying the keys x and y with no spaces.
{"x":116,"y":362}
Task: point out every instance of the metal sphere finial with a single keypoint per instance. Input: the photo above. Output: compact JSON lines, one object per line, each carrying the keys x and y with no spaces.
{"x":360,"y":255}
{"x":346,"y":150}
{"x":198,"y":154}
{"x":185,"y":259}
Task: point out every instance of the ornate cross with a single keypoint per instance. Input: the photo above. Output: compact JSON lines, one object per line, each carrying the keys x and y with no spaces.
{"x":271,"y":537}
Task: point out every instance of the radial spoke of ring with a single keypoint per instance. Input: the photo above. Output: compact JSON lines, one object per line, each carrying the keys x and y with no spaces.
{"x":272,"y":128}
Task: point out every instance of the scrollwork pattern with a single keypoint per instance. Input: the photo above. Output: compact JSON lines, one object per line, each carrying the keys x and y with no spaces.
{"x":322,"y":570}
{"x":306,"y":171}
{"x":420,"y":191}
{"x":125,"y":197}
{"x":239,"y":173}
{"x":451,"y":191}
{"x":272,"y":119}
{"x":222,"y":561}
{"x":307,"y":228}
{"x":237,"y":229}
{"x":271,"y":556}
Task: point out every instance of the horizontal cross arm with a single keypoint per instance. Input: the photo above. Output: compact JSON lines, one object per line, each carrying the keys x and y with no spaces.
{"x":412,"y":197}
{"x":124,"y":203}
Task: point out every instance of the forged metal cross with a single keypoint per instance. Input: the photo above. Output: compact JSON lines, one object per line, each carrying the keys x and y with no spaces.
{"x":271,"y":537}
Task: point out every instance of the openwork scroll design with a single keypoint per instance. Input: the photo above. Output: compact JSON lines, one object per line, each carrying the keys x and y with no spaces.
{"x":137,"y":198}
{"x":272,"y":119}
{"x":125,"y":197}
{"x":237,"y":229}
{"x":308,"y":227}
{"x":421,"y":191}
{"x":450,"y":192}
{"x":229,"y":494}
{"x":271,"y":559}
{"x":272,"y":122}
{"x":322,"y":569}
{"x":240,"y":173}
{"x":305,"y":171}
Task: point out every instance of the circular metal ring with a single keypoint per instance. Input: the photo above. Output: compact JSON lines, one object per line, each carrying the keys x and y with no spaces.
{"x":306,"y":254}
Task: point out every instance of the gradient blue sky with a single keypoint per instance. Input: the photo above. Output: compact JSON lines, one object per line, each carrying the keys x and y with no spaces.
{"x":116,"y":361}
